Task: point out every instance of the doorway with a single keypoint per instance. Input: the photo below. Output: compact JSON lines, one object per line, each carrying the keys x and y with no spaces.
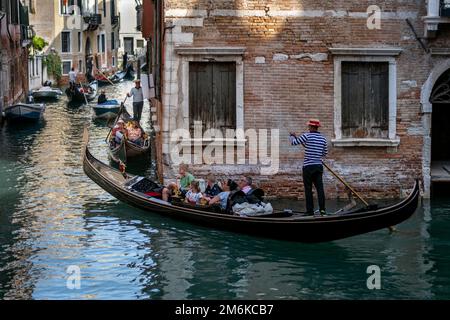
{"x":128,"y":44}
{"x":440,"y":130}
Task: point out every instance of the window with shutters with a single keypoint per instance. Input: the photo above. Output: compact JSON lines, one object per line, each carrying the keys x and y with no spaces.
{"x":66,"y":66}
{"x":113,"y":41}
{"x":13,"y":11}
{"x":365,"y":99}
{"x":65,"y":42}
{"x":212,"y":95}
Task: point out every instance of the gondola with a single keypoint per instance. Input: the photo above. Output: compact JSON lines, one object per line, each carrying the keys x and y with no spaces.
{"x":127,"y":149}
{"x":130,"y":74}
{"x":115,"y":78}
{"x":46,"y":93}
{"x":107,"y":110}
{"x":120,"y":75}
{"x":24,"y":112}
{"x":77,"y":95}
{"x":292,"y":228}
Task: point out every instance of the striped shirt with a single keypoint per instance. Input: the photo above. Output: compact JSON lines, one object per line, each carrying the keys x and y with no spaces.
{"x":315,"y":147}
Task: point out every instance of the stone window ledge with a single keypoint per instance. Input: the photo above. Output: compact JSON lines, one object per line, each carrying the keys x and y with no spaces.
{"x":213,"y":142}
{"x":365,"y":142}
{"x":365,"y":51}
{"x":239,"y":51}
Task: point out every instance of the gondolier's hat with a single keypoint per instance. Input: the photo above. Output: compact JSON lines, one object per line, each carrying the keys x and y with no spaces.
{"x":314,"y":123}
{"x":137,"y":80}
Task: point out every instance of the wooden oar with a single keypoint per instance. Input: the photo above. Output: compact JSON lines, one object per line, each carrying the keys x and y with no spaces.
{"x":391,"y":229}
{"x":346,"y":184}
{"x":104,"y":75}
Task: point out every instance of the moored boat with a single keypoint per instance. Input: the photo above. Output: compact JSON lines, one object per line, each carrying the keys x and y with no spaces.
{"x":105,"y":81}
{"x":118,"y":76}
{"x":81,"y":94}
{"x":46,"y":93}
{"x":137,"y":191}
{"x":108,"y":109}
{"x":24,"y":112}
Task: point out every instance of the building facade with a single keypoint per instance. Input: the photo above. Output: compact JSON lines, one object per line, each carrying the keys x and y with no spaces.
{"x":131,"y":40}
{"x":15,"y":37}
{"x":78,"y":29}
{"x":373,"y":72}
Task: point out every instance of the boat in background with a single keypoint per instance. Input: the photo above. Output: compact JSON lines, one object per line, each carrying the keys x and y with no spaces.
{"x":130,"y":74}
{"x":80,"y":94}
{"x":127,"y":149}
{"x":107,"y":110}
{"x":140,"y":192}
{"x":24,"y":112}
{"x":105,"y":81}
{"x":118,"y":76}
{"x":46,"y":93}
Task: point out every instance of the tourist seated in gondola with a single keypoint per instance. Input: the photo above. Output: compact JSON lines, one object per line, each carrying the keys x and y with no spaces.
{"x":212,"y":188}
{"x":135,"y":133}
{"x":245,"y":184}
{"x":222,"y":198}
{"x":119,"y":132}
{"x":185,"y":182}
{"x":85,"y":89}
{"x":194,"y":194}
{"x":102,"y":97}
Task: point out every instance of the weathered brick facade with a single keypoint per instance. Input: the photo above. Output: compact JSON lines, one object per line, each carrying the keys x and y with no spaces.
{"x":289,"y":75}
{"x":13,"y":63}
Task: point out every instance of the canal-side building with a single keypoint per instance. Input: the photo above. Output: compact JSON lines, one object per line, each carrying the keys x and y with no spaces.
{"x":78,"y":29}
{"x":373,"y":72}
{"x":15,"y":35}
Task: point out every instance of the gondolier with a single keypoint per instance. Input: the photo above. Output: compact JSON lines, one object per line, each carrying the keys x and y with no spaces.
{"x":315,"y":145}
{"x":138,"y":100}
{"x":72,"y":77}
{"x":125,"y":61}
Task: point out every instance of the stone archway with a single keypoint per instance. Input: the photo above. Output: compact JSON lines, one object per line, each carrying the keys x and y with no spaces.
{"x":427,"y":108}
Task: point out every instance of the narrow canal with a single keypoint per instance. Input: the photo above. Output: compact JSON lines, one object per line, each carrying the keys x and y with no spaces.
{"x":53,"y":217}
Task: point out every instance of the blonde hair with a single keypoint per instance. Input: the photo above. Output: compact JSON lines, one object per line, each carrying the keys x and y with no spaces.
{"x":184,"y":166}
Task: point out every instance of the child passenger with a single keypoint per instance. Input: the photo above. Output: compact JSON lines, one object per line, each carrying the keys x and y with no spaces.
{"x":194,"y":195}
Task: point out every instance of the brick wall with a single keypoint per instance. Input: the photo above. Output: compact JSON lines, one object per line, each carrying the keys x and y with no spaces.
{"x":14,"y":61}
{"x":289,"y":78}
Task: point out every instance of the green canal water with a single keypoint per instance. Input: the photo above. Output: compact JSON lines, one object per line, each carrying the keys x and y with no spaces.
{"x":53,"y":217}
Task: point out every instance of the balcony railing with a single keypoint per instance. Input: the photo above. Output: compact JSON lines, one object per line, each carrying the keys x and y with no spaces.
{"x":26,"y":35}
{"x":93,"y":20}
{"x":438,"y":11}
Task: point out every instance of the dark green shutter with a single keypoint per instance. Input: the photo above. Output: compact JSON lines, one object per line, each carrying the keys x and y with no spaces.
{"x":212,"y":94}
{"x":365,"y":99}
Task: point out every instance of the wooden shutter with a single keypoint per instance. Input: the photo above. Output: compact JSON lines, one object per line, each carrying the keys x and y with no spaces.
{"x":212,"y":94}
{"x":365,"y":99}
